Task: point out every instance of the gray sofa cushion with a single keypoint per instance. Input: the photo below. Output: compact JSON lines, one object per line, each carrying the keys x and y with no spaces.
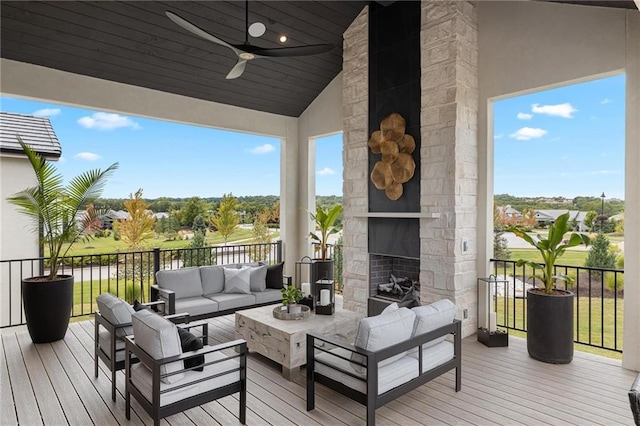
{"x":159,"y":338}
{"x":212,"y":279}
{"x":258,"y":278}
{"x":233,"y":300}
{"x":433,"y":316}
{"x":184,"y":282}
{"x":196,"y":306}
{"x":269,"y":295}
{"x":116,"y":311}
{"x":381,"y":331}
{"x":237,"y":280}
{"x":389,"y":376}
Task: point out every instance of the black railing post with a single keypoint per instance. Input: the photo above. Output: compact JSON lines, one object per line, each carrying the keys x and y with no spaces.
{"x":156,"y":262}
{"x":279,"y":251}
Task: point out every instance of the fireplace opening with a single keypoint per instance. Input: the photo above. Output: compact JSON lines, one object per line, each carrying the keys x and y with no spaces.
{"x":393,"y":278}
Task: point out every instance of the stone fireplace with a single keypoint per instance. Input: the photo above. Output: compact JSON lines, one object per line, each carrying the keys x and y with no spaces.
{"x":425,"y":71}
{"x":381,"y":268}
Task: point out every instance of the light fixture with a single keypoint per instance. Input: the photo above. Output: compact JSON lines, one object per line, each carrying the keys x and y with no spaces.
{"x":246,"y":55}
{"x":257,"y":29}
{"x":283,"y":38}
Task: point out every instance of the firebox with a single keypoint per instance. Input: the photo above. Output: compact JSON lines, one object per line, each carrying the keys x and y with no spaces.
{"x":392,"y":277}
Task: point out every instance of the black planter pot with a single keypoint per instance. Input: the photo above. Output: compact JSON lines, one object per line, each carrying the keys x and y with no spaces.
{"x":550,"y":326}
{"x":321,"y":270}
{"x":47,"y":307}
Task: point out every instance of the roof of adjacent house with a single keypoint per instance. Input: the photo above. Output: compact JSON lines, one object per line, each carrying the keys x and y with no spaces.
{"x":36,"y":132}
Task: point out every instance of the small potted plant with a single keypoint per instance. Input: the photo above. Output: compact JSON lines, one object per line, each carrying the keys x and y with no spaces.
{"x":291,"y":295}
{"x":325,"y":226}
{"x":550,"y":309}
{"x":54,"y":209}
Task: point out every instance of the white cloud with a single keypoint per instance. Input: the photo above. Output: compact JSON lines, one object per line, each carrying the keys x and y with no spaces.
{"x":88,"y":156}
{"x":47,"y":112}
{"x":107,"y":121}
{"x":524,"y":116}
{"x":561,"y":110}
{"x":527,"y":133}
{"x":606,"y":101}
{"x":262,"y":149}
{"x":326,"y":171}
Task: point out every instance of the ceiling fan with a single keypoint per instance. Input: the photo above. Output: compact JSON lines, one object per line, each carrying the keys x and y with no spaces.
{"x":245,"y":51}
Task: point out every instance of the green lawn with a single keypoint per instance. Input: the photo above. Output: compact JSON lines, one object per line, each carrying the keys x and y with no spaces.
{"x":109,"y":245}
{"x":570,"y":258}
{"x":587,"y":331}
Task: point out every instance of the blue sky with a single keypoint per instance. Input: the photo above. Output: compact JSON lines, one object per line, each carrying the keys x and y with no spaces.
{"x":566,"y":142}
{"x":173,"y":160}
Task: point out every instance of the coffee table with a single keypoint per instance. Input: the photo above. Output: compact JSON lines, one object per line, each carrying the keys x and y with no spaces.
{"x":285,"y":341}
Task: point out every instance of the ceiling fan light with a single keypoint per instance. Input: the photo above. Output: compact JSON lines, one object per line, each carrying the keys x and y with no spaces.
{"x":257,"y":29}
{"x":283,"y":38}
{"x":247,"y":55}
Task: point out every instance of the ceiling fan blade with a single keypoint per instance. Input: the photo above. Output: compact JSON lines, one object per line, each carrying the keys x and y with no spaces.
{"x":283,"y":52}
{"x":198,"y":31}
{"x":237,"y":69}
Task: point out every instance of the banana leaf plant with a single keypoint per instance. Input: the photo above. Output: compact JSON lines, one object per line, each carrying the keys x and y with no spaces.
{"x":551,"y":248}
{"x":54,"y":208}
{"x":325,"y":220}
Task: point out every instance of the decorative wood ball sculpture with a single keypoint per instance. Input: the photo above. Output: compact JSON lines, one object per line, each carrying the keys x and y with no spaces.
{"x":397,"y":165}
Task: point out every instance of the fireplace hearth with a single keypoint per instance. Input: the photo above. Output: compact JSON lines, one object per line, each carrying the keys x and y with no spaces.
{"x":392,"y":277}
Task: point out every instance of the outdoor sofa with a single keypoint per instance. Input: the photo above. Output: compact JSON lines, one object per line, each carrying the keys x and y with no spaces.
{"x":209,"y":291}
{"x":394,"y":353}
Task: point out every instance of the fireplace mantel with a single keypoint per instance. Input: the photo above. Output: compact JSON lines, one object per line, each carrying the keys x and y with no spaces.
{"x":397,"y":215}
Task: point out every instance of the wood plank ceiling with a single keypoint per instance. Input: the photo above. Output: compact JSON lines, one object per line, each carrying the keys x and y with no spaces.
{"x":134,"y":42}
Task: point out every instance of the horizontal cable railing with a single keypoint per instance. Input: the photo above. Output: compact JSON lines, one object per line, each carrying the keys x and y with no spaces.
{"x":598,"y":305}
{"x":128,"y":275}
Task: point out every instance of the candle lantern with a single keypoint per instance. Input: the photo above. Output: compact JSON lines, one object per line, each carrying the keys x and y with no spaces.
{"x":325,"y":297}
{"x":488,"y":332}
{"x":303,"y":273}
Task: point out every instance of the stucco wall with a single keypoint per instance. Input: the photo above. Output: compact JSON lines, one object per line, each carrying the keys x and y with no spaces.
{"x":529,"y":46}
{"x":18,"y":241}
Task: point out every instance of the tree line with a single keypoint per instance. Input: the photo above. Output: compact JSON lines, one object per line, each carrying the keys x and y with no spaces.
{"x":612,"y":206}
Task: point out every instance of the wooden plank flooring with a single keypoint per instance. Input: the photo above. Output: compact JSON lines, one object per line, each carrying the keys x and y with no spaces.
{"x":54,"y":384}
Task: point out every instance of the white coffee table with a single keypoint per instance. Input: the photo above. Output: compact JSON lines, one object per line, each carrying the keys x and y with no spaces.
{"x":285,"y":342}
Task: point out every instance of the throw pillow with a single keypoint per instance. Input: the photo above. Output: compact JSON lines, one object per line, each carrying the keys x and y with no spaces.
{"x":190,"y":343}
{"x":257,"y":278}
{"x":275,"y":276}
{"x":137,"y":306}
{"x":237,"y":280}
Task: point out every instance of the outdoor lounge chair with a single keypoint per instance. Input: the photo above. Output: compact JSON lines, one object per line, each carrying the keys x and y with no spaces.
{"x":164,"y":382}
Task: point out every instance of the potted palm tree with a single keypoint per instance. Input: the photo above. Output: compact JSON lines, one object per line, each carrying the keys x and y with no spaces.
{"x":54,"y":210}
{"x":325,"y":226}
{"x":549,"y":308}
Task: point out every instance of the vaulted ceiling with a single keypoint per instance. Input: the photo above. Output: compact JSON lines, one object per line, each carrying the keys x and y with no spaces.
{"x":134,"y":42}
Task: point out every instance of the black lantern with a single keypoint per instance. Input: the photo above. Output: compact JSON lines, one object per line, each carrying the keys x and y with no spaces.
{"x":325,"y":297}
{"x":487,"y":296}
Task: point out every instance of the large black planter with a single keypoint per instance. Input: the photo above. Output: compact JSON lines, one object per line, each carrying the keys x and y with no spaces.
{"x":321,"y":270}
{"x":47,"y":307}
{"x":550,"y":326}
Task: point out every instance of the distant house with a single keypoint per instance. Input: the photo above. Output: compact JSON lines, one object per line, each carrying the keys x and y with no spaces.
{"x":545,"y":217}
{"x":161,"y":215}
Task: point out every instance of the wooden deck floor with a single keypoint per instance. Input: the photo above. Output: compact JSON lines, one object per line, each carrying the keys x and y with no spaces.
{"x":53,"y":384}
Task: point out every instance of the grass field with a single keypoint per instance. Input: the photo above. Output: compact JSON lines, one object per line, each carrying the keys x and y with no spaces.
{"x":109,"y":245}
{"x":570,"y":258}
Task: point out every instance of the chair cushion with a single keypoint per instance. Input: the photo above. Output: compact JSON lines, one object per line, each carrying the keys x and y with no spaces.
{"x":433,"y":316}
{"x":237,"y":280}
{"x":189,"y":343}
{"x":435,"y":355}
{"x":274,"y":277}
{"x":269,"y":295}
{"x":381,"y":331}
{"x":233,"y":300}
{"x":104,"y":340}
{"x":212,"y":279}
{"x":183,"y":282}
{"x":390,"y":308}
{"x":257,"y":278}
{"x":116,"y":311}
{"x":159,"y":338}
{"x":195,"y":306}
{"x":390,"y":375}
{"x":142,"y":379}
